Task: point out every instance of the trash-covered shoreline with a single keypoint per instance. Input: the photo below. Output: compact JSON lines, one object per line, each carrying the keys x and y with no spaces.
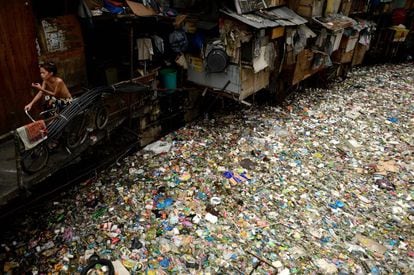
{"x":322,"y":184}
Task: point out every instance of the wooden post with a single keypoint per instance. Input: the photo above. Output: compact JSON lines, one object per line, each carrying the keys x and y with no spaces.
{"x":19,"y":176}
{"x":131,"y":50}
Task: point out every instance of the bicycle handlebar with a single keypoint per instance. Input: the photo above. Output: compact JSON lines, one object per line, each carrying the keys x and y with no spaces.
{"x":27,"y":113}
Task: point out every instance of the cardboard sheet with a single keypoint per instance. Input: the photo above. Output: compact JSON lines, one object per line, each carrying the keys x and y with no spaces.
{"x":140,"y":10}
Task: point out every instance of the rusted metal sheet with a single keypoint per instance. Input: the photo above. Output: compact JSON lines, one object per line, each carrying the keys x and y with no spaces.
{"x":61,"y":41}
{"x":18,"y":61}
{"x":335,"y":22}
{"x":271,"y":18}
{"x":246,"y":6}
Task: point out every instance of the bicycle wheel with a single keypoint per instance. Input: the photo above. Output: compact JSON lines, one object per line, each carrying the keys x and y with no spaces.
{"x":35,"y":159}
{"x":101,"y":118}
{"x":76,"y":132}
{"x":94,"y":267}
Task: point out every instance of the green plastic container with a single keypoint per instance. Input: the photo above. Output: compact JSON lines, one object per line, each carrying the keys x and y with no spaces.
{"x":169,"y":78}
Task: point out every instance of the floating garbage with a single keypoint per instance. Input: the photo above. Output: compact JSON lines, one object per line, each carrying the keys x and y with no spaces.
{"x":322,"y":184}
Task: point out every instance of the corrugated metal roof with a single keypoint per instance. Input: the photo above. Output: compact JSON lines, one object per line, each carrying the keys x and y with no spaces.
{"x":285,"y":16}
{"x":276,"y":17}
{"x":335,"y":22}
{"x":247,"y":6}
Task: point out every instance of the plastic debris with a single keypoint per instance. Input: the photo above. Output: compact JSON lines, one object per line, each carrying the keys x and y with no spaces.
{"x":158,"y":147}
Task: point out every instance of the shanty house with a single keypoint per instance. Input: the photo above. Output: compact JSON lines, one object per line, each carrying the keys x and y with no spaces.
{"x":249,"y":50}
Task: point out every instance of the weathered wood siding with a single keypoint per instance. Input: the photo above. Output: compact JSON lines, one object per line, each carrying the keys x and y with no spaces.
{"x":60,"y":41}
{"x":18,"y":61}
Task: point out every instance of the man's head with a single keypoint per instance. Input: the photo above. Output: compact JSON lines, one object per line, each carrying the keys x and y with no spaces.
{"x":47,"y":70}
{"x":50,"y":67}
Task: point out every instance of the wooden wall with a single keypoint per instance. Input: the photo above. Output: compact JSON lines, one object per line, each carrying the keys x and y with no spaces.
{"x":18,"y":61}
{"x":61,"y":41}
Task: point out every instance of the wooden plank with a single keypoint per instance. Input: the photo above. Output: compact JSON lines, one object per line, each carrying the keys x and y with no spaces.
{"x":332,"y":7}
{"x":358,"y":7}
{"x":359,"y":54}
{"x":317,"y":7}
{"x":253,"y":82}
{"x":305,"y":11}
{"x":346,"y":7}
{"x":308,"y":8}
{"x":277,"y":32}
{"x":342,"y":55}
{"x":274,"y":3}
{"x":304,"y":8}
{"x":18,"y":60}
{"x":305,"y":67}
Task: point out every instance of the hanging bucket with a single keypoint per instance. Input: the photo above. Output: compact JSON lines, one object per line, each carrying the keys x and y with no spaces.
{"x":169,"y":78}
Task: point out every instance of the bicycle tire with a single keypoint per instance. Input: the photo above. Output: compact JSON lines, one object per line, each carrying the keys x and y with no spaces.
{"x":101,"y":118}
{"x":76,"y":132}
{"x":103,"y":262}
{"x":35,"y":159}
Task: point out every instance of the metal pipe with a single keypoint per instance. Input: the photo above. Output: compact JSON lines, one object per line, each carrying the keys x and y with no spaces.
{"x":84,"y":102}
{"x":6,"y":136}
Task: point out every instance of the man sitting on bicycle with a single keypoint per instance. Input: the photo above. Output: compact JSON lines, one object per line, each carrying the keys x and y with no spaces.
{"x":54,"y":89}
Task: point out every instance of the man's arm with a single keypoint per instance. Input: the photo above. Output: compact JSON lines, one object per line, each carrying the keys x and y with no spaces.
{"x":34,"y":100}
{"x":42,"y":88}
{"x":47,"y":92}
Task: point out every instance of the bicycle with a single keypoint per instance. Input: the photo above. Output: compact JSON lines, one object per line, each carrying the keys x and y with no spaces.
{"x":72,"y":126}
{"x":69,"y":128}
{"x":34,"y":159}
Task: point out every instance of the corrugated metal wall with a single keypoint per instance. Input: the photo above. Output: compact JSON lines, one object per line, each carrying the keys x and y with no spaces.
{"x":18,"y":61}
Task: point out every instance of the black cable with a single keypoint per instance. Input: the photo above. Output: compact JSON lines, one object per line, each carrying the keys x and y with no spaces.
{"x":83,"y":102}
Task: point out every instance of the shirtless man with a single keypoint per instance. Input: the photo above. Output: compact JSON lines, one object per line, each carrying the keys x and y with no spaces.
{"x":53,"y":88}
